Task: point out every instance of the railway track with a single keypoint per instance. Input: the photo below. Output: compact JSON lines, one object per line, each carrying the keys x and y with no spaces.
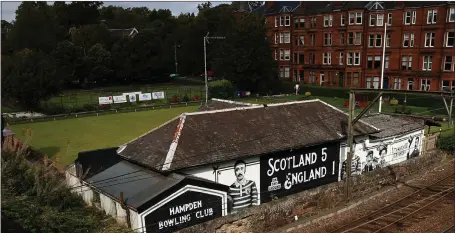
{"x":397,"y":214}
{"x":450,"y":229}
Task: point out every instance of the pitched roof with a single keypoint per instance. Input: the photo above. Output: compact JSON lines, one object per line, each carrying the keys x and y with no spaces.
{"x":221,"y":135}
{"x":393,"y":125}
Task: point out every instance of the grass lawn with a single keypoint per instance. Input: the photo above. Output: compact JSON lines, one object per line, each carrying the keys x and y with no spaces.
{"x":63,"y":139}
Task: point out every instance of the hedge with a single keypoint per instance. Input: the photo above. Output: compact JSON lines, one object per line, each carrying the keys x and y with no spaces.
{"x":35,"y":197}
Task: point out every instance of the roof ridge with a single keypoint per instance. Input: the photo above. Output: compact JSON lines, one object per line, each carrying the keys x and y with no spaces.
{"x":251,"y":107}
{"x":175,"y":140}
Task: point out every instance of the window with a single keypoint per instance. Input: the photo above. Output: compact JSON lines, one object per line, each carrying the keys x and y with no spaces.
{"x":313,"y":22}
{"x":372,"y":20}
{"x":389,"y":39}
{"x":328,"y":20}
{"x":408,"y":39}
{"x":276,"y":54}
{"x":429,"y":39}
{"x":378,"y":40}
{"x":342,"y":20}
{"x":356,"y":59}
{"x":425,"y":84}
{"x":287,"y":21}
{"x":348,"y":79}
{"x":321,"y":79}
{"x":350,"y":38}
{"x":312,"y":39}
{"x":386,"y":61}
{"x":371,"y":40}
{"x":451,"y":15}
{"x":358,"y":17}
{"x":351,"y":18}
{"x":406,"y":62}
{"x":300,"y":41}
{"x":350,"y":59}
{"x":432,"y":16}
{"x":301,"y":22}
{"x":355,"y":79}
{"x":372,"y":82}
{"x":410,"y":84}
{"x":284,"y":72}
{"x":295,"y":58}
{"x":380,"y":21}
{"x":326,"y":58}
{"x":397,"y":83}
{"x":327,"y":39}
{"x":281,"y":54}
{"x":312,"y":79}
{"x":370,"y":62}
{"x":358,"y":38}
{"x":301,"y":58}
{"x":341,"y":61}
{"x":377,"y":61}
{"x":296,"y":23}
{"x":427,"y":63}
{"x":450,"y":38}
{"x":445,"y":85}
{"x":409,"y":17}
{"x":285,"y":37}
{"x":287,"y":54}
{"x":449,"y":63}
{"x":312,"y":58}
{"x":276,"y":38}
{"x":342,"y":38}
{"x":276,"y":21}
{"x":389,"y":19}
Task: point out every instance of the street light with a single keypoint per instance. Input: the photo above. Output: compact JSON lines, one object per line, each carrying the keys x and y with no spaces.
{"x":206,"y":40}
{"x":175,"y":57}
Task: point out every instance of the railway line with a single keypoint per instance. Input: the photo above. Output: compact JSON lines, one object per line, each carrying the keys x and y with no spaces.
{"x":400,"y":214}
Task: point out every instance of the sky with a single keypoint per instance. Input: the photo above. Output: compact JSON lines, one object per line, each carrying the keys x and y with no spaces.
{"x":9,"y":8}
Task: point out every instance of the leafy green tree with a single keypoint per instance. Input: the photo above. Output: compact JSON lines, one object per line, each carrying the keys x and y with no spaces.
{"x":70,"y":62}
{"x":98,"y":64}
{"x":245,"y":57}
{"x":29,"y":78}
{"x":89,"y":35}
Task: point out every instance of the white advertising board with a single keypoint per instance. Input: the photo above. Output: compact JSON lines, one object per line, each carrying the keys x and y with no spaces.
{"x":158,"y":95}
{"x":119,"y":99}
{"x":145,"y":96}
{"x":105,"y":100}
{"x":131,"y":93}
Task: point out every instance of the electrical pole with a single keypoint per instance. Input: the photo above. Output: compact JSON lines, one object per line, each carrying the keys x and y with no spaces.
{"x":205,"y":63}
{"x":350,"y":145}
{"x":383,"y":62}
{"x":175,"y":58}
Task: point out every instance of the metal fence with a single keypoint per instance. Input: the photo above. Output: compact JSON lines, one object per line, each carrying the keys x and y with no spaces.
{"x":81,"y":98}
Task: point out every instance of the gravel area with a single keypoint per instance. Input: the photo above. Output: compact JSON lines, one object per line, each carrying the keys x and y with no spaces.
{"x":419,"y":180}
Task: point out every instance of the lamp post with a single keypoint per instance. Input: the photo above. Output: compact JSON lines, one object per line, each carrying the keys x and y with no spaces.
{"x":206,"y":40}
{"x":175,"y":57}
{"x":383,"y":62}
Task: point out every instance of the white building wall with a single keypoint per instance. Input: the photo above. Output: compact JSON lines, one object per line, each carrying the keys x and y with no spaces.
{"x":135,"y":221}
{"x":108,"y":205}
{"x":121,"y":213}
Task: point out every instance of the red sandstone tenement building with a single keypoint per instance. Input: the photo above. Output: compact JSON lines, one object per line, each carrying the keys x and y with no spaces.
{"x":340,"y":43}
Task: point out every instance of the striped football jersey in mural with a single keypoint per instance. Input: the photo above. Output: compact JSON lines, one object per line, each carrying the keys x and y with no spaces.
{"x":243,"y":195}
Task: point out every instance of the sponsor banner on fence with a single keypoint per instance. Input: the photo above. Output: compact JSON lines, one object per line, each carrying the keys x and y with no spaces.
{"x":119,"y":99}
{"x":158,"y":95}
{"x":286,"y":173}
{"x":132,"y":93}
{"x":105,"y":100}
{"x":132,"y":98}
{"x":145,"y":96}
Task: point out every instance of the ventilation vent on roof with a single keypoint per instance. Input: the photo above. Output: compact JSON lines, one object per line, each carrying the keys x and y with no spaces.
{"x":375,"y":6}
{"x":286,"y":9}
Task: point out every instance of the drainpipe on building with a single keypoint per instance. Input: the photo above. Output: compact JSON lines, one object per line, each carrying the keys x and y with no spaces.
{"x":122,"y":204}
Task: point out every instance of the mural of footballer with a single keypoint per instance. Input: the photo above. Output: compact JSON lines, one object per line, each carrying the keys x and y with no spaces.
{"x":242,"y":193}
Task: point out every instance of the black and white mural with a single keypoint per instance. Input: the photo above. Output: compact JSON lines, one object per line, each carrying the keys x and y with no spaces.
{"x":243,"y":192}
{"x":286,"y":173}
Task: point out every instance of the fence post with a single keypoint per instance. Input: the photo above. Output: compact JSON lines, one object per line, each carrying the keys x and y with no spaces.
{"x":61,"y":100}
{"x":90,"y":97}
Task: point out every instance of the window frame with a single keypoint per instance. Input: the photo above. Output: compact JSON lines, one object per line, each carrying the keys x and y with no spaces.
{"x":432,"y":16}
{"x":428,"y":62}
{"x":382,"y":20}
{"x":389,"y":19}
{"x":357,"y":56}
{"x":430,"y":37}
{"x":327,"y":38}
{"x":341,"y":59}
{"x":426,"y":85}
{"x":450,"y":12}
{"x":342,"y":20}
{"x":287,"y":20}
{"x":446,"y":39}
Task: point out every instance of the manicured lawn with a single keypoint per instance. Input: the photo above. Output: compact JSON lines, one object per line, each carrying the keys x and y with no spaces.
{"x":63,"y":139}
{"x":444,"y":129}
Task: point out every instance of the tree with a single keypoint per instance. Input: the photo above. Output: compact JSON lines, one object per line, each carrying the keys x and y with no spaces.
{"x":98,"y":64}
{"x":89,"y":35}
{"x":245,"y":58}
{"x":29,"y":78}
{"x":70,"y":62}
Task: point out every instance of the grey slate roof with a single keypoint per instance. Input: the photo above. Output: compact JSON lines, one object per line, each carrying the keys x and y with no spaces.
{"x":138,"y":187}
{"x":223,"y":135}
{"x":216,"y":104}
{"x":393,"y":125}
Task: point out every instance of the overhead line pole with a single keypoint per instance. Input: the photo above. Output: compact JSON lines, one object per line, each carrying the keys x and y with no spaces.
{"x":205,"y":63}
{"x":381,"y":85}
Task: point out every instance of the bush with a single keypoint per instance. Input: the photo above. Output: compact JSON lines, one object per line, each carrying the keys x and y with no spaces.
{"x":447,"y":143}
{"x":394,"y":101}
{"x":307,"y":93}
{"x":53,"y":109}
{"x":175,"y":99}
{"x":90,"y":107}
{"x":186,"y":99}
{"x":222,"y":89}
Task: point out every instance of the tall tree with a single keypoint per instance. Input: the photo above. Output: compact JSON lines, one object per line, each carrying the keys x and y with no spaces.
{"x":29,"y":78}
{"x":245,"y":57}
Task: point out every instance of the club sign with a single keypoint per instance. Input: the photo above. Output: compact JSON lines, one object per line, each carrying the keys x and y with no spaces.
{"x":285,"y":173}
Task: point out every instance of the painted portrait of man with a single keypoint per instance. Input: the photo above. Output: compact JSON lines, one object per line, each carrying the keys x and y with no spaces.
{"x":371,"y":162}
{"x":382,"y":156}
{"x":416,"y":150}
{"x":356,"y":167}
{"x":243,"y":193}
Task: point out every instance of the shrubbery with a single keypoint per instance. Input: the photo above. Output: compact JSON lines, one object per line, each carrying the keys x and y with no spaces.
{"x":447,"y":143}
{"x":35,"y":196}
{"x":222,"y":89}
